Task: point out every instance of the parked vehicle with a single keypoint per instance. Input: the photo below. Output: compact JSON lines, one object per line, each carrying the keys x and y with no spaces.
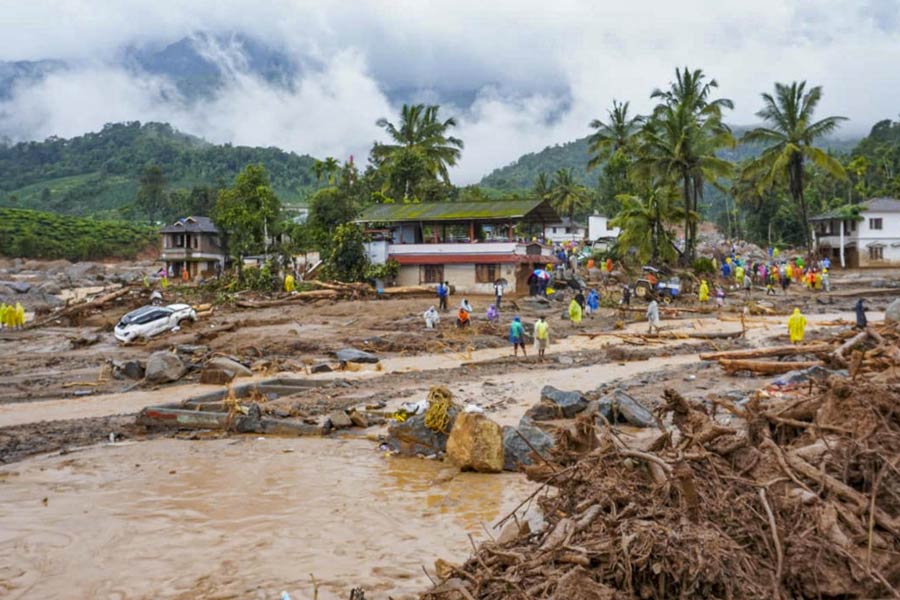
{"x":149,"y":321}
{"x":654,"y":285}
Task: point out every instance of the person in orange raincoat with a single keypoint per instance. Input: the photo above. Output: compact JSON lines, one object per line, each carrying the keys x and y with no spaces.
{"x":609,"y":265}
{"x":185,"y":276}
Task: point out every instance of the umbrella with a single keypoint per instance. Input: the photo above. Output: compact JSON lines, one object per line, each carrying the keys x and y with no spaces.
{"x":541,"y":274}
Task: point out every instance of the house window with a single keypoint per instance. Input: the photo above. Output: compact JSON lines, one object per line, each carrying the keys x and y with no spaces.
{"x":875,"y":223}
{"x":876,"y":253}
{"x":487,"y":273}
{"x":432,"y":273}
{"x":852,"y":225}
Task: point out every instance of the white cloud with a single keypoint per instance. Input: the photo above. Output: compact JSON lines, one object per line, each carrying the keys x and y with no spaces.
{"x":539,"y":72}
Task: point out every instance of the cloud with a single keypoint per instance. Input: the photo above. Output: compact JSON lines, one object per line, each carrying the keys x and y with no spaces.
{"x":521,"y":74}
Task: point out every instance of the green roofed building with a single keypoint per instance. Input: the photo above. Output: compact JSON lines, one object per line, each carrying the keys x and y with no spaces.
{"x":469,"y":244}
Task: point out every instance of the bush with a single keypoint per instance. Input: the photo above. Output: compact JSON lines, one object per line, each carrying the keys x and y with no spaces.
{"x":347,"y":260}
{"x":703,"y":265}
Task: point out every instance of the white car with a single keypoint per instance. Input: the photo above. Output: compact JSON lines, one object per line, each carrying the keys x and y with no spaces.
{"x":148,"y":321}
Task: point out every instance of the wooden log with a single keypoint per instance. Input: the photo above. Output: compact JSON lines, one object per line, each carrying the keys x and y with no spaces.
{"x":412,"y":290}
{"x":80,"y":308}
{"x":765,"y":367}
{"x":766,"y":352}
{"x":838,"y":355}
{"x":293,"y":299}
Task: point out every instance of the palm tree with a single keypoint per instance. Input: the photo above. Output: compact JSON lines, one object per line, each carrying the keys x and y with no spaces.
{"x":326,"y":169}
{"x":789,"y":135}
{"x":542,"y":186}
{"x":679,"y":142}
{"x":677,"y":148}
{"x":643,"y":221}
{"x":419,"y":129}
{"x":612,"y":136}
{"x":567,"y":195}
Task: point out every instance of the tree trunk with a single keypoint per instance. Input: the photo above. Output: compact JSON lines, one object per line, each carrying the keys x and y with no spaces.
{"x":686,"y":193}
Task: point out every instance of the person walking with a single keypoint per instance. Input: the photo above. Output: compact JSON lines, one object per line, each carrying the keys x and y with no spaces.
{"x":498,"y":293}
{"x":703,"y":292}
{"x":517,"y":336}
{"x":575,"y":312}
{"x":593,"y":302}
{"x":861,"y":321}
{"x":653,"y":317}
{"x":626,"y":295}
{"x":541,"y":337}
{"x":796,"y":326}
{"x":443,"y":291}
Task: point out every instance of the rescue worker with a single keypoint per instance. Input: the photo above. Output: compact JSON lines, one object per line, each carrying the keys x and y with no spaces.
{"x":796,"y":326}
{"x":2,"y":315}
{"x":861,"y":321}
{"x":431,"y":317}
{"x":575,"y":312}
{"x":517,"y":336}
{"x":703,"y":292}
{"x":19,"y":316}
{"x":541,"y":337}
{"x":289,"y":284}
{"x":653,"y":316}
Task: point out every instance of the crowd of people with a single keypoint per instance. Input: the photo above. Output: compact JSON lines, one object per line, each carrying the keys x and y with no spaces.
{"x":737,"y":272}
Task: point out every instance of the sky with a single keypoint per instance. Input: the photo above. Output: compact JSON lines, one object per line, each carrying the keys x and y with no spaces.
{"x":534,"y":73}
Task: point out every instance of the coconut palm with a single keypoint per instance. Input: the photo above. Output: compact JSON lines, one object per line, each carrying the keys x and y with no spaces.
{"x":680,"y":140}
{"x":542,"y":186}
{"x":326,"y":169}
{"x":419,"y":129}
{"x":614,"y":135}
{"x":789,"y":136}
{"x":567,"y":195}
{"x":644,"y":222}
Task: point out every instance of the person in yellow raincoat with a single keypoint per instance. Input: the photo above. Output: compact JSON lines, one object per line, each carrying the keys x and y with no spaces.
{"x":703,"y":293}
{"x":2,"y":315}
{"x":739,"y":274}
{"x":574,"y":312}
{"x":796,"y":326}
{"x":289,"y":283}
{"x":19,"y":316}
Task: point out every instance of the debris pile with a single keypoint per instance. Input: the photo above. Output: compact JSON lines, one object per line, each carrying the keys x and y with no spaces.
{"x":788,"y":496}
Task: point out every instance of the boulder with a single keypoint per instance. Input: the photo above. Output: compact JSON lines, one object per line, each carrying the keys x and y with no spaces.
{"x":19,"y":287}
{"x":339,"y":420}
{"x":212,"y":376}
{"x":892,"y":312}
{"x":619,"y":407}
{"x":516,"y":452}
{"x":83,"y":270}
{"x":133,"y":369}
{"x":411,"y":437}
{"x":163,"y":367}
{"x":557,"y":404}
{"x":320,"y":368}
{"x":50,"y":287}
{"x":476,"y":444}
{"x":226,"y":364}
{"x":816,"y":372}
{"x":353,"y":355}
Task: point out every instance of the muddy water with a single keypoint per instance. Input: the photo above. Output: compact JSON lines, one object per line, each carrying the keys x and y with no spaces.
{"x":243,"y":518}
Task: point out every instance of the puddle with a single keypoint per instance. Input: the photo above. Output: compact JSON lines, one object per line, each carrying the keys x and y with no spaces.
{"x":243,"y":518}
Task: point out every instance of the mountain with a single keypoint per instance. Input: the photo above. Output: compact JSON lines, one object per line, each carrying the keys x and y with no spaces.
{"x":24,"y":71}
{"x":522,"y":173}
{"x":99,"y":173}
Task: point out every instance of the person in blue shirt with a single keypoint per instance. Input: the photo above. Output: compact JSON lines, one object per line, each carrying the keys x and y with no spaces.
{"x":517,"y":336}
{"x":443,"y":292}
{"x":593,"y":302}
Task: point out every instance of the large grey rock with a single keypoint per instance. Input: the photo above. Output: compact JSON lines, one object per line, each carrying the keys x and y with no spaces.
{"x":557,"y":404}
{"x":163,"y":367}
{"x":411,"y":437}
{"x":356,"y":356}
{"x":83,"y":270}
{"x":619,"y":407}
{"x":131,"y":369}
{"x":20,"y":287}
{"x":516,"y":452}
{"x":232,"y":366}
{"x":815,"y":372}
{"x":50,"y":287}
{"x":892,"y":312}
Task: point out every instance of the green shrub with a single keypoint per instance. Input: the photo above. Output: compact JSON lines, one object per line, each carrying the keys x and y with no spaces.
{"x":703,"y":265}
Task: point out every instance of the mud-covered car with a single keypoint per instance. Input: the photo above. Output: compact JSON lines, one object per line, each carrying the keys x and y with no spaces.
{"x":148,"y":321}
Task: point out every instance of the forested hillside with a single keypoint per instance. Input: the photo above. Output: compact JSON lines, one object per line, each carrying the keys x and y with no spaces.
{"x":522,"y":174}
{"x":100,"y":172}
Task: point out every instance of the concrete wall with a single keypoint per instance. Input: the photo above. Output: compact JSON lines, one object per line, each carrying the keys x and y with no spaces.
{"x":598,"y":227}
{"x":462,"y":277}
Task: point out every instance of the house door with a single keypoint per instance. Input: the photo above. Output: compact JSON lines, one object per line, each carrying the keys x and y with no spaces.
{"x":852,"y":257}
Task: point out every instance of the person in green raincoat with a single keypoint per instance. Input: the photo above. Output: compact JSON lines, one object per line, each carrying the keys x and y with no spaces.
{"x":575,"y":312}
{"x":796,"y":326}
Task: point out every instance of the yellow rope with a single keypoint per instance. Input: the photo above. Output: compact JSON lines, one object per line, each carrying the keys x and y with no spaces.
{"x":437,"y":417}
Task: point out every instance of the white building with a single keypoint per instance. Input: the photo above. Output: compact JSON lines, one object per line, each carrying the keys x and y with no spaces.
{"x":870,"y":240}
{"x":600,"y":229}
{"x":565,"y":231}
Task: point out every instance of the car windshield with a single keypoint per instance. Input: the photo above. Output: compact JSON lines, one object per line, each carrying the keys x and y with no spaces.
{"x":143,"y":316}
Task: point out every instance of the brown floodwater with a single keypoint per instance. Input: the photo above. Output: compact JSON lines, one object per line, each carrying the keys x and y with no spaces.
{"x":237,"y":518}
